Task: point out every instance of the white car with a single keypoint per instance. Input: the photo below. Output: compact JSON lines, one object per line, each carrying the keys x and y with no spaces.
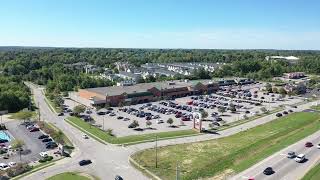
{"x":43,"y":154}
{"x":4,"y":166}
{"x":12,"y":164}
{"x":300,"y":158}
{"x":159,"y":121}
{"x":318,"y":146}
{"x":85,"y":136}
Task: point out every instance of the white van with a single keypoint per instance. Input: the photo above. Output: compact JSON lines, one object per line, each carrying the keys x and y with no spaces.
{"x":4,"y":166}
{"x":300,"y":158}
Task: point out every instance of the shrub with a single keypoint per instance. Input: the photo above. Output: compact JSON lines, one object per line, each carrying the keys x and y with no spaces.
{"x":20,"y":168}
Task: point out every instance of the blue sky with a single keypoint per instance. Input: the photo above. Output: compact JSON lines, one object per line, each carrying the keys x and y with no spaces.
{"x":216,"y":24}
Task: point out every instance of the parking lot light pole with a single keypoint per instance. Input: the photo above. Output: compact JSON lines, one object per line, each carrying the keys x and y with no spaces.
{"x":104,"y":117}
{"x":156,"y":151}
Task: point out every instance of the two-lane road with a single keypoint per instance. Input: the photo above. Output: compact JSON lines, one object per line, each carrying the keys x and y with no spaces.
{"x":108,"y":160}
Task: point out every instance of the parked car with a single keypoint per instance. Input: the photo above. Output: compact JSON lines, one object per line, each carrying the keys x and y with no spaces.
{"x":46,"y":140}
{"x":85,"y":162}
{"x":43,"y":136}
{"x":159,"y":121}
{"x":268,"y":171}
{"x":101,"y":113}
{"x":12,"y":164}
{"x":61,"y":114}
{"x":291,"y":155}
{"x":112,"y":114}
{"x":300,"y":158}
{"x":318,"y":146}
{"x":43,"y":154}
{"x":278,"y":114}
{"x":119,"y":117}
{"x":4,"y":166}
{"x":34,"y":129}
{"x":118,"y":177}
{"x":308,"y":144}
{"x":51,"y":146}
{"x":285,"y":112}
{"x":126,"y":119}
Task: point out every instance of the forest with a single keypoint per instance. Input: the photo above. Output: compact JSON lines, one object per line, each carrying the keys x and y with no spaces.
{"x":45,"y":66}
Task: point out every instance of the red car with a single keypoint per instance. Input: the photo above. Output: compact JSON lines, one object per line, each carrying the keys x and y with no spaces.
{"x":185,"y":118}
{"x":34,"y":129}
{"x":308,"y":144}
{"x":190,"y":103}
{"x":178,"y":115}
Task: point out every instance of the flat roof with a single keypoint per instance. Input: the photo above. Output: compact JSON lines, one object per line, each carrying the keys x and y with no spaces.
{"x":143,"y":87}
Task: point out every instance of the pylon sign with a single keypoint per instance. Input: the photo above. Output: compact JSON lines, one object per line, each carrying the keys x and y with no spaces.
{"x":197,"y":120}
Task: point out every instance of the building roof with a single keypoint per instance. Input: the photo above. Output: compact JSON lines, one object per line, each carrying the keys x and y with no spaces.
{"x":143,"y":87}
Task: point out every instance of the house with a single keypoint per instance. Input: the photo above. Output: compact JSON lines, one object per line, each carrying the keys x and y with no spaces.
{"x":129,"y":76}
{"x":89,"y":69}
{"x":294,"y":75}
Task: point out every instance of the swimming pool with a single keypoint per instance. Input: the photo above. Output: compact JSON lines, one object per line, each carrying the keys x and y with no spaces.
{"x":4,"y":135}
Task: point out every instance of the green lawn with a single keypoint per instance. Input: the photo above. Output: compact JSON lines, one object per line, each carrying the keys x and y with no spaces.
{"x":103,"y":137}
{"x":230,"y":154}
{"x":316,"y":107}
{"x":51,"y":105}
{"x":69,"y":176}
{"x":313,"y":174}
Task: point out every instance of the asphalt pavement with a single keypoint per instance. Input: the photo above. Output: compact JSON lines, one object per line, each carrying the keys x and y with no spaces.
{"x":110,"y":160}
{"x":286,"y":168}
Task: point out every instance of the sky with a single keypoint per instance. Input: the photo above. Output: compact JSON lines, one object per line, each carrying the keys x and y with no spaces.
{"x":199,"y":24}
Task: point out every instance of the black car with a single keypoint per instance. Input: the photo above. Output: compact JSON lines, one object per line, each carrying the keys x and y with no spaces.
{"x":285,"y":112}
{"x":46,"y":140}
{"x":278,"y":114}
{"x":51,"y":143}
{"x":43,"y":136}
{"x":61,"y":114}
{"x":101,"y":113}
{"x":268,"y":171}
{"x":119,"y":117}
{"x":84,"y":162}
{"x":51,"y":146}
{"x":118,"y":177}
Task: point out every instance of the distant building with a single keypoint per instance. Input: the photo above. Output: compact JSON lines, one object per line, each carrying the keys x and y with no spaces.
{"x":289,"y":59}
{"x":294,"y":75}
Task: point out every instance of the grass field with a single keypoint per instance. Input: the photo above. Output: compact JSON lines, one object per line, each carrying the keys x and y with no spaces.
{"x":316,"y":107}
{"x":313,"y":174}
{"x":69,"y":176}
{"x":51,"y":105}
{"x":231,"y":154}
{"x":102,"y":136}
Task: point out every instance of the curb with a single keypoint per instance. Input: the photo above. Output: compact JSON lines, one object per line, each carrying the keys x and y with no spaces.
{"x":142,"y":169}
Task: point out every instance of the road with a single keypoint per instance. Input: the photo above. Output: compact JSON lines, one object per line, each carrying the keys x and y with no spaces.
{"x":285,"y":168}
{"x":110,"y":160}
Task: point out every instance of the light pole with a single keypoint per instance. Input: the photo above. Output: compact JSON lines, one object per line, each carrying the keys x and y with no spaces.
{"x":178,"y":172}
{"x":156,"y":151}
{"x":104,"y":117}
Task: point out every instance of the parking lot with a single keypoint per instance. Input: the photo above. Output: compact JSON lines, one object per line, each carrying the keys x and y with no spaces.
{"x":32,"y":144}
{"x":237,"y":103}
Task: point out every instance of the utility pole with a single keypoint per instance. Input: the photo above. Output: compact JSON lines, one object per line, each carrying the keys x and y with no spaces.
{"x":38,"y":111}
{"x":104,"y":117}
{"x":177,"y":172}
{"x":156,"y":151}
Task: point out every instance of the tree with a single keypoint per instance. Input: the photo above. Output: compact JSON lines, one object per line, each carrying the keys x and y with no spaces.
{"x":59,"y":137}
{"x":18,"y":144}
{"x":148,"y":123}
{"x":233,"y":109}
{"x":204,"y":114}
{"x":275,"y":90}
{"x":282,"y":91}
{"x":268,"y":87}
{"x":221,"y":109}
{"x":23,"y":115}
{"x":79,"y":109}
{"x":170,"y":121}
{"x":263,"y":109}
{"x":110,"y":131}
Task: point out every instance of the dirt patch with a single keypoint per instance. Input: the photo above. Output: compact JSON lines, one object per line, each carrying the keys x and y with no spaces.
{"x":222,"y":176}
